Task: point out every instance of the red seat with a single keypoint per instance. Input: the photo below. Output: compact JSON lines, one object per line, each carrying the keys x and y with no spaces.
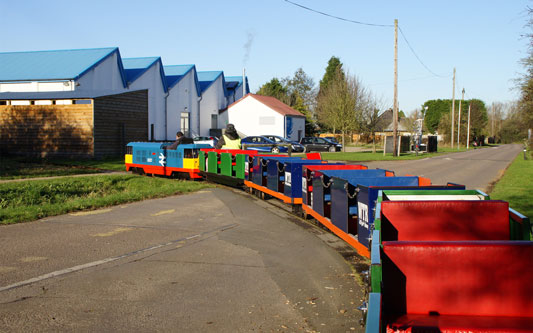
{"x":445,"y":220}
{"x":429,"y":281}
{"x":313,"y":156}
{"x":460,"y":324}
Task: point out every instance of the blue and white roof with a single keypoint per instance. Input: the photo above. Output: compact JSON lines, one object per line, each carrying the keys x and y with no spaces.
{"x":175,"y":73}
{"x":54,"y":65}
{"x":235,"y":82}
{"x":207,"y":78}
{"x":135,"y":67}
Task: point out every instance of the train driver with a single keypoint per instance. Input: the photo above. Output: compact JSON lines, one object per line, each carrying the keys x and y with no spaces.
{"x":230,"y":139}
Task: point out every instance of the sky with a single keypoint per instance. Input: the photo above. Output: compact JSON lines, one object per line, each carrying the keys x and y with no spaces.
{"x":273,"y":38}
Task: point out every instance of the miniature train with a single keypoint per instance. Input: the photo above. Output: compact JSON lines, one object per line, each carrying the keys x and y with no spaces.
{"x":443,"y":258}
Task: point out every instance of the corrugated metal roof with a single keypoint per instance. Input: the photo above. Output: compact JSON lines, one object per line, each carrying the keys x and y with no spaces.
{"x":51,"y":65}
{"x":234,"y":82}
{"x":174,"y":74}
{"x":233,"y":79}
{"x":45,"y":95}
{"x":273,"y":103}
{"x":207,"y":78}
{"x":135,"y":67}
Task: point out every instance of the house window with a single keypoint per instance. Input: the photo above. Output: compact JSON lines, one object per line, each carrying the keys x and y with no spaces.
{"x":185,"y":123}
{"x":214,"y":121}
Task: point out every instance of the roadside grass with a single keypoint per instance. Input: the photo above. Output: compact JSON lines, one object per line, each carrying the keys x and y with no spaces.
{"x":18,"y":168}
{"x":516,"y":186}
{"x":35,"y":199}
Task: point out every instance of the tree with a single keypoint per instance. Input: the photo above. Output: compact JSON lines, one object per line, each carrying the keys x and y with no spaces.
{"x":334,"y":64}
{"x":370,"y":123}
{"x":478,"y":119}
{"x":346,"y":104}
{"x":524,"y":116}
{"x":302,"y":97}
{"x":275,"y":89}
{"x":298,"y":92}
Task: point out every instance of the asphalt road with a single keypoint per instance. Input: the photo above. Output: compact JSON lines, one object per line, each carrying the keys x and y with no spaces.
{"x":213,"y":261}
{"x":476,"y":168}
{"x":217,"y":260}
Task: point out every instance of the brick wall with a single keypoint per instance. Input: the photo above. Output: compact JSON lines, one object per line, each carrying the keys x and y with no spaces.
{"x":119,"y":119}
{"x":47,"y":130}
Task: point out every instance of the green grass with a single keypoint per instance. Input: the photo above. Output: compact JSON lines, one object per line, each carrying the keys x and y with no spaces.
{"x":17,"y":168}
{"x":516,"y":186}
{"x":31,"y":200}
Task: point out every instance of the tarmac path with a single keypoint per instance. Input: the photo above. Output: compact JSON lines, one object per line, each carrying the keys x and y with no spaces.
{"x":476,"y":168}
{"x":217,"y":260}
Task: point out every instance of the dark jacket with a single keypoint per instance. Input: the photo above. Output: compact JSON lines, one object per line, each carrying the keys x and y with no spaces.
{"x":222,"y":142}
{"x":179,"y":141}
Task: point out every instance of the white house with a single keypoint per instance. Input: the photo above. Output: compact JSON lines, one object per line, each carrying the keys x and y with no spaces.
{"x":214,"y":101}
{"x":147,"y":73}
{"x":265,"y":115}
{"x":234,"y":88}
{"x":86,"y":71}
{"x":183,"y":101}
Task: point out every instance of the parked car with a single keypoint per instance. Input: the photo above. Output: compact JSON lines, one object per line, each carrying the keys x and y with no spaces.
{"x":208,"y":140}
{"x":319,"y":144}
{"x":296,"y":147}
{"x":270,"y":146}
{"x":331,"y":138}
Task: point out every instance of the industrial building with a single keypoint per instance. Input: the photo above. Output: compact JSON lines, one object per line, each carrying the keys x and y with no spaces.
{"x":91,"y":102}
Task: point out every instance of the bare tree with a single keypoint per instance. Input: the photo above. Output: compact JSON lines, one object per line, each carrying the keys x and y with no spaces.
{"x":345,"y":105}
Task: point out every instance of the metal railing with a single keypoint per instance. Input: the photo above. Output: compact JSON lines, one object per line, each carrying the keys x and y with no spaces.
{"x":288,"y":145}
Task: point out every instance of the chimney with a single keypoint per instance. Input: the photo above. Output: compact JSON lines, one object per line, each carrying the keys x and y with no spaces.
{"x":243,"y":82}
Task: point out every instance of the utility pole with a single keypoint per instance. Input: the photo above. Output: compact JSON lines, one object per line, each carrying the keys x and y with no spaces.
{"x":459,"y":120}
{"x":468,"y":127}
{"x":453,"y":105}
{"x":492,"y":123}
{"x":395,"y":105}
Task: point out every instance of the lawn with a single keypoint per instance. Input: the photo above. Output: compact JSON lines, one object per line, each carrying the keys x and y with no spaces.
{"x":516,"y":186}
{"x":34,"y":199}
{"x":18,"y":168}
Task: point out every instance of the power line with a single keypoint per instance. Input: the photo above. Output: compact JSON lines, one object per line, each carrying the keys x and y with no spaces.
{"x":337,"y":17}
{"x":417,"y":57}
{"x":374,"y":25}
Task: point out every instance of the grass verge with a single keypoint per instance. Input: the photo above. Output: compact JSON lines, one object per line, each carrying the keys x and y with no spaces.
{"x":31,"y":200}
{"x":18,"y":168}
{"x":516,"y":186}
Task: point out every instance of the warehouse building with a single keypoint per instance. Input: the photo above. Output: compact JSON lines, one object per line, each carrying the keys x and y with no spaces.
{"x":91,"y":102}
{"x":234,"y":88}
{"x":214,"y":101}
{"x":148,"y":74}
{"x":183,"y":101}
{"x":68,"y":103}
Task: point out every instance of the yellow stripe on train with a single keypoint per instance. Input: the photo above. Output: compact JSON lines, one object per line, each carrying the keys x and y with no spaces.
{"x":191,"y":163}
{"x":128,"y":158}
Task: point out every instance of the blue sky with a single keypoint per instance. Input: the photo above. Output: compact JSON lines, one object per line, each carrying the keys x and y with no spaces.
{"x":480,"y":38}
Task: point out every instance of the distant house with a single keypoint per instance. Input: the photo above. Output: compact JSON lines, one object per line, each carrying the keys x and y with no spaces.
{"x":214,"y":101}
{"x":183,"y":101}
{"x":69,"y":103}
{"x":234,"y":88}
{"x":265,"y":115}
{"x":147,"y":73}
